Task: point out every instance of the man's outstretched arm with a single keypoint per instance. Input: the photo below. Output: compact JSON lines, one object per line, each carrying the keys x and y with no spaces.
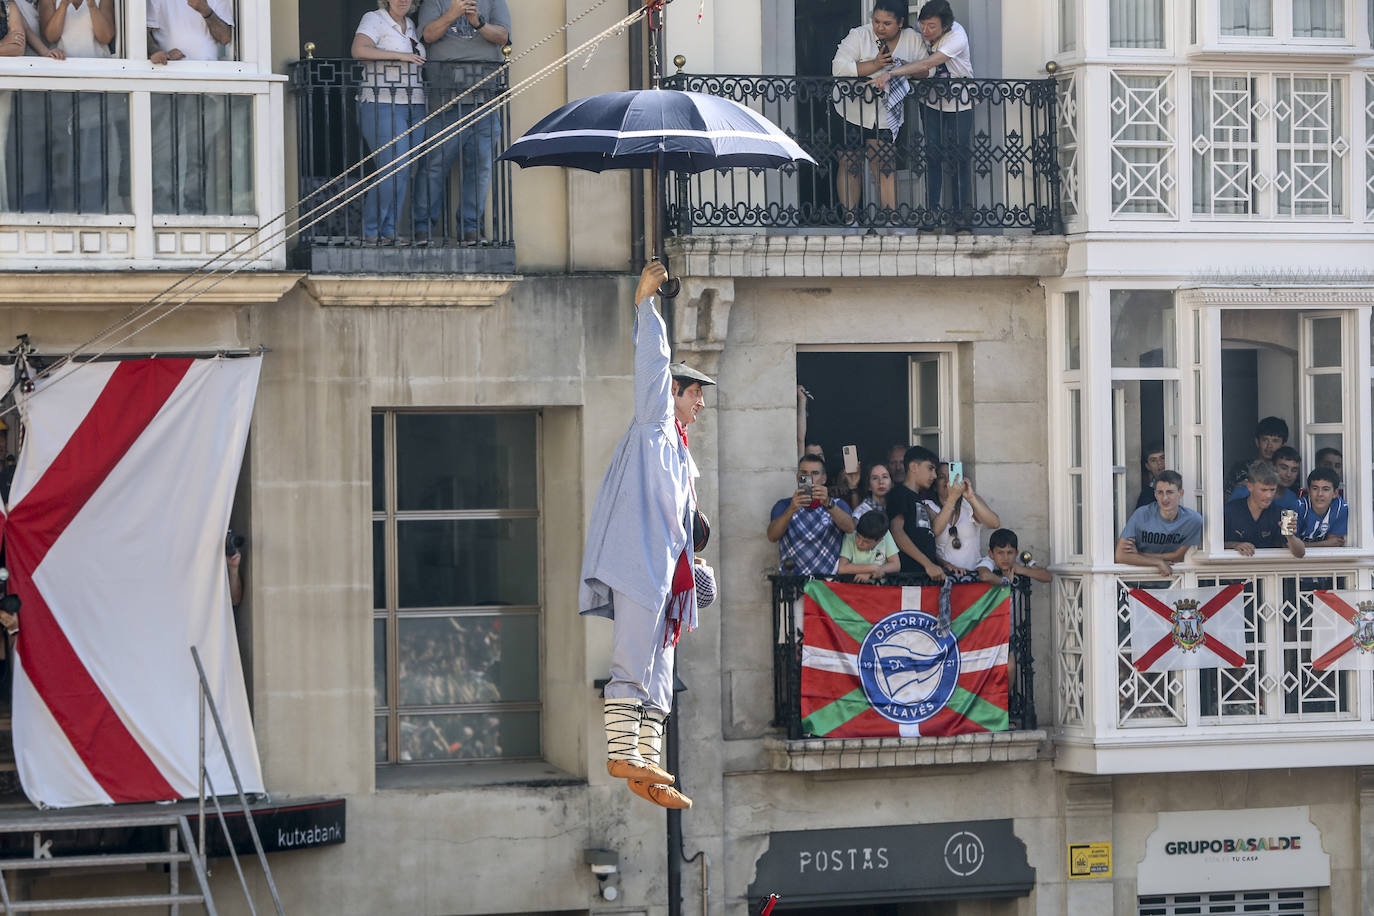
{"x":653,"y":387}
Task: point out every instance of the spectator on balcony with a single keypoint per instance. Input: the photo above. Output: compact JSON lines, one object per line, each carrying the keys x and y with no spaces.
{"x":910,"y":519}
{"x":390,"y":101}
{"x":28,"y":9}
{"x":1287,"y":462}
{"x":460,"y":32}
{"x":188,"y":29}
{"x":872,"y":128}
{"x":868,"y":552}
{"x":1151,"y":464}
{"x":80,"y":28}
{"x":1271,"y":434}
{"x":879,"y":483}
{"x":1329,"y":458}
{"x":1255,"y":521}
{"x":946,"y":114}
{"x":1323,"y":516}
{"x":809,"y":527}
{"x":1160,"y":534}
{"x":1003,"y":562}
{"x":896,"y":463}
{"x":958,"y":519}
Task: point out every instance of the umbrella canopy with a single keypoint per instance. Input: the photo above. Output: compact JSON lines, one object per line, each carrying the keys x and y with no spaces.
{"x":656,"y":128}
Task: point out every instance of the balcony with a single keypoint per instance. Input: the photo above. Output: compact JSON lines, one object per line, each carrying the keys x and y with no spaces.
{"x":1275,"y":711}
{"x":989,"y":165}
{"x":116,"y":164}
{"x":799,"y":750}
{"x":333,"y":131}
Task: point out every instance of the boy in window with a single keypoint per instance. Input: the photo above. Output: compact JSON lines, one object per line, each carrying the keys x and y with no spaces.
{"x":910,"y":520}
{"x":1271,"y":433}
{"x":1255,"y":521}
{"x":1003,"y":563}
{"x":868,"y":552}
{"x":1323,"y":516}
{"x":1161,"y":533}
{"x":1288,"y":465}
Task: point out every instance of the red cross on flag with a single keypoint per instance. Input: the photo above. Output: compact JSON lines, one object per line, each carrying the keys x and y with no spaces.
{"x":1177,"y":628}
{"x":115,"y":542}
{"x":1343,"y":631}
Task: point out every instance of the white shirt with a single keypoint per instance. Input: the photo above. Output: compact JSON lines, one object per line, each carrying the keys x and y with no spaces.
{"x":78,"y":32}
{"x":175,"y":25}
{"x":387,"y":35}
{"x":954,"y":45}
{"x":970,"y":537}
{"x":861,"y":44}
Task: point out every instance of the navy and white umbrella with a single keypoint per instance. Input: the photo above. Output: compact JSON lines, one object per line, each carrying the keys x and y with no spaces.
{"x":656,"y":128}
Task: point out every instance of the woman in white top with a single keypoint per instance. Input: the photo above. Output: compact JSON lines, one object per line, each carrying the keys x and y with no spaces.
{"x":391,"y":100}
{"x":81,"y":28}
{"x":870,"y":137}
{"x":958,"y":522}
{"x":879,"y":485}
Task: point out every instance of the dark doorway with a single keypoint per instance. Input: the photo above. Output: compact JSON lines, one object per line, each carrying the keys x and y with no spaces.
{"x":331,"y":24}
{"x":858,"y":399}
{"x":1240,"y":404}
{"x":820,"y":26}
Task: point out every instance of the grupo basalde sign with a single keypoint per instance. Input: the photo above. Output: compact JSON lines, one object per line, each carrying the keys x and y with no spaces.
{"x":894,"y":863}
{"x":1248,"y":849}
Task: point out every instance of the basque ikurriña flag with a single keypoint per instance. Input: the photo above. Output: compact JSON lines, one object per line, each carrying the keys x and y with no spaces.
{"x":114,"y":540}
{"x":1173,"y":629}
{"x":1343,"y":631}
{"x":876,"y":663}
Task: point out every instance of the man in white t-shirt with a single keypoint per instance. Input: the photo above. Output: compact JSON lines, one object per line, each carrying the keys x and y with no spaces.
{"x":188,"y":29}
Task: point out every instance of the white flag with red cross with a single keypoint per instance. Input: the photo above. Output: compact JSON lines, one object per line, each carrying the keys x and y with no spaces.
{"x":1343,"y":631}
{"x":1178,"y":628}
{"x":115,"y":543}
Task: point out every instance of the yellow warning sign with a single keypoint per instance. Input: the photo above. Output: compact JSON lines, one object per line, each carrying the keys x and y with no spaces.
{"x":1090,"y":860}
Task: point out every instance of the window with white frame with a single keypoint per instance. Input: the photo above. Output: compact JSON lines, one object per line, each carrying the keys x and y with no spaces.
{"x":1143,"y":146}
{"x":1068,"y":25}
{"x":1322,"y":21}
{"x":456,"y":586}
{"x":1268,"y":144}
{"x":933,"y":402}
{"x":1137,"y":23}
{"x":1075,"y":540}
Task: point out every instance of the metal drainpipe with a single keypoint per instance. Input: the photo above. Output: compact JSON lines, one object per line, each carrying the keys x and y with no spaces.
{"x":674,"y":816}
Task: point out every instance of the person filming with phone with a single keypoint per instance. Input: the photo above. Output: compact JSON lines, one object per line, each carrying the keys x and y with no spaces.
{"x":809,"y":527}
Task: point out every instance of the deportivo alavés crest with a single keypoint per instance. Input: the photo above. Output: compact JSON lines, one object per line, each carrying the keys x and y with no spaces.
{"x":908,"y":668}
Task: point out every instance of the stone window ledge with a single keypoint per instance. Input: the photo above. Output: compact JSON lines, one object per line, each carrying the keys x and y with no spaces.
{"x":814,"y":754}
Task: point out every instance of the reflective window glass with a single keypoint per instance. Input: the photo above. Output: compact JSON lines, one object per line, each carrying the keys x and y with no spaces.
{"x":465,"y":461}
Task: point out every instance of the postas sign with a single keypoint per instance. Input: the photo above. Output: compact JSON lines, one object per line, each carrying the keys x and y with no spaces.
{"x":1250,"y":849}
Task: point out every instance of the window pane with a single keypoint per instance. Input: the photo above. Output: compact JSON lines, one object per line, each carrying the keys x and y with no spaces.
{"x":1137,"y":23}
{"x":379,"y":564}
{"x":1326,"y":399}
{"x":1075,"y":428}
{"x":1072,"y":332}
{"x":1318,"y":18}
{"x":1076,"y":495}
{"x":1329,"y":440}
{"x":68,"y":152}
{"x":1142,"y":328}
{"x":469,"y":736}
{"x":1326,"y":342}
{"x":1143,"y":417}
{"x":465,"y":461}
{"x":1068,"y":24}
{"x":450,"y":661}
{"x":379,"y":739}
{"x":379,"y":662}
{"x":378,"y":463}
{"x":928,"y":393}
{"x":1247,"y":17}
{"x":205,"y":167}
{"x":928,"y":440}
{"x":466,"y":563}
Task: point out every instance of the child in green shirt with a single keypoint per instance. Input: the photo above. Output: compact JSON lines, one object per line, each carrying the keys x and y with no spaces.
{"x":869,"y":552}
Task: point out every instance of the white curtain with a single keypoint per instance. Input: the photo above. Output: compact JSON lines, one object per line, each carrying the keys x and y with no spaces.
{"x":1137,"y":23}
{"x":1318,"y":18}
{"x":1068,"y":25}
{"x":1247,"y":17}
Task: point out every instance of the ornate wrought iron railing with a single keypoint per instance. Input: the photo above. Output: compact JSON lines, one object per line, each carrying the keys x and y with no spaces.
{"x":787,"y":650}
{"x":970,"y":154}
{"x":334,"y":131}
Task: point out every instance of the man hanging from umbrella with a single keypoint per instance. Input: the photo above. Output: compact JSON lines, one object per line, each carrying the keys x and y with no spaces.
{"x":639,"y":567}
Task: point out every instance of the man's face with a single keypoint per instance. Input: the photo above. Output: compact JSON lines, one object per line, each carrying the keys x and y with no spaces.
{"x":920,"y":475}
{"x":1262,"y":493}
{"x":896,"y":469}
{"x":864,"y":543}
{"x":932,"y":28}
{"x":1166,"y":495}
{"x":1334,"y":461}
{"x":1154,"y":463}
{"x":813,"y":470}
{"x":1288,"y":472}
{"x":1319,"y":494}
{"x":886,"y":26}
{"x":1004,"y":557}
{"x":687,"y":403}
{"x":1266,"y":445}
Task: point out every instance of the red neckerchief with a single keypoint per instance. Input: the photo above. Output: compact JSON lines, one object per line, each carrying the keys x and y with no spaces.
{"x":684,"y":583}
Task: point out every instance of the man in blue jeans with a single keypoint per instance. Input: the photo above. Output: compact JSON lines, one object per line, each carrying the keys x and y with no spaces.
{"x":464,"y":38}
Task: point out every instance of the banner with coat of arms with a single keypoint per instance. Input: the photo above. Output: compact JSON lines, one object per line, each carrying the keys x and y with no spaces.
{"x":1343,"y":631}
{"x":1173,"y":629}
{"x":889,"y":661}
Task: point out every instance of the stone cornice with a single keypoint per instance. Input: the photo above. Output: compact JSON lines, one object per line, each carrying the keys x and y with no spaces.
{"x":409,"y":290}
{"x":1251,"y":296}
{"x":134,"y":287}
{"x":870,"y":256}
{"x":810,"y":754}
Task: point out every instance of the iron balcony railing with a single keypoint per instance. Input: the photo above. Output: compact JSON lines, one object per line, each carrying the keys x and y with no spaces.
{"x":970,"y":154}
{"x":787,"y":650}
{"x":346,"y":108}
